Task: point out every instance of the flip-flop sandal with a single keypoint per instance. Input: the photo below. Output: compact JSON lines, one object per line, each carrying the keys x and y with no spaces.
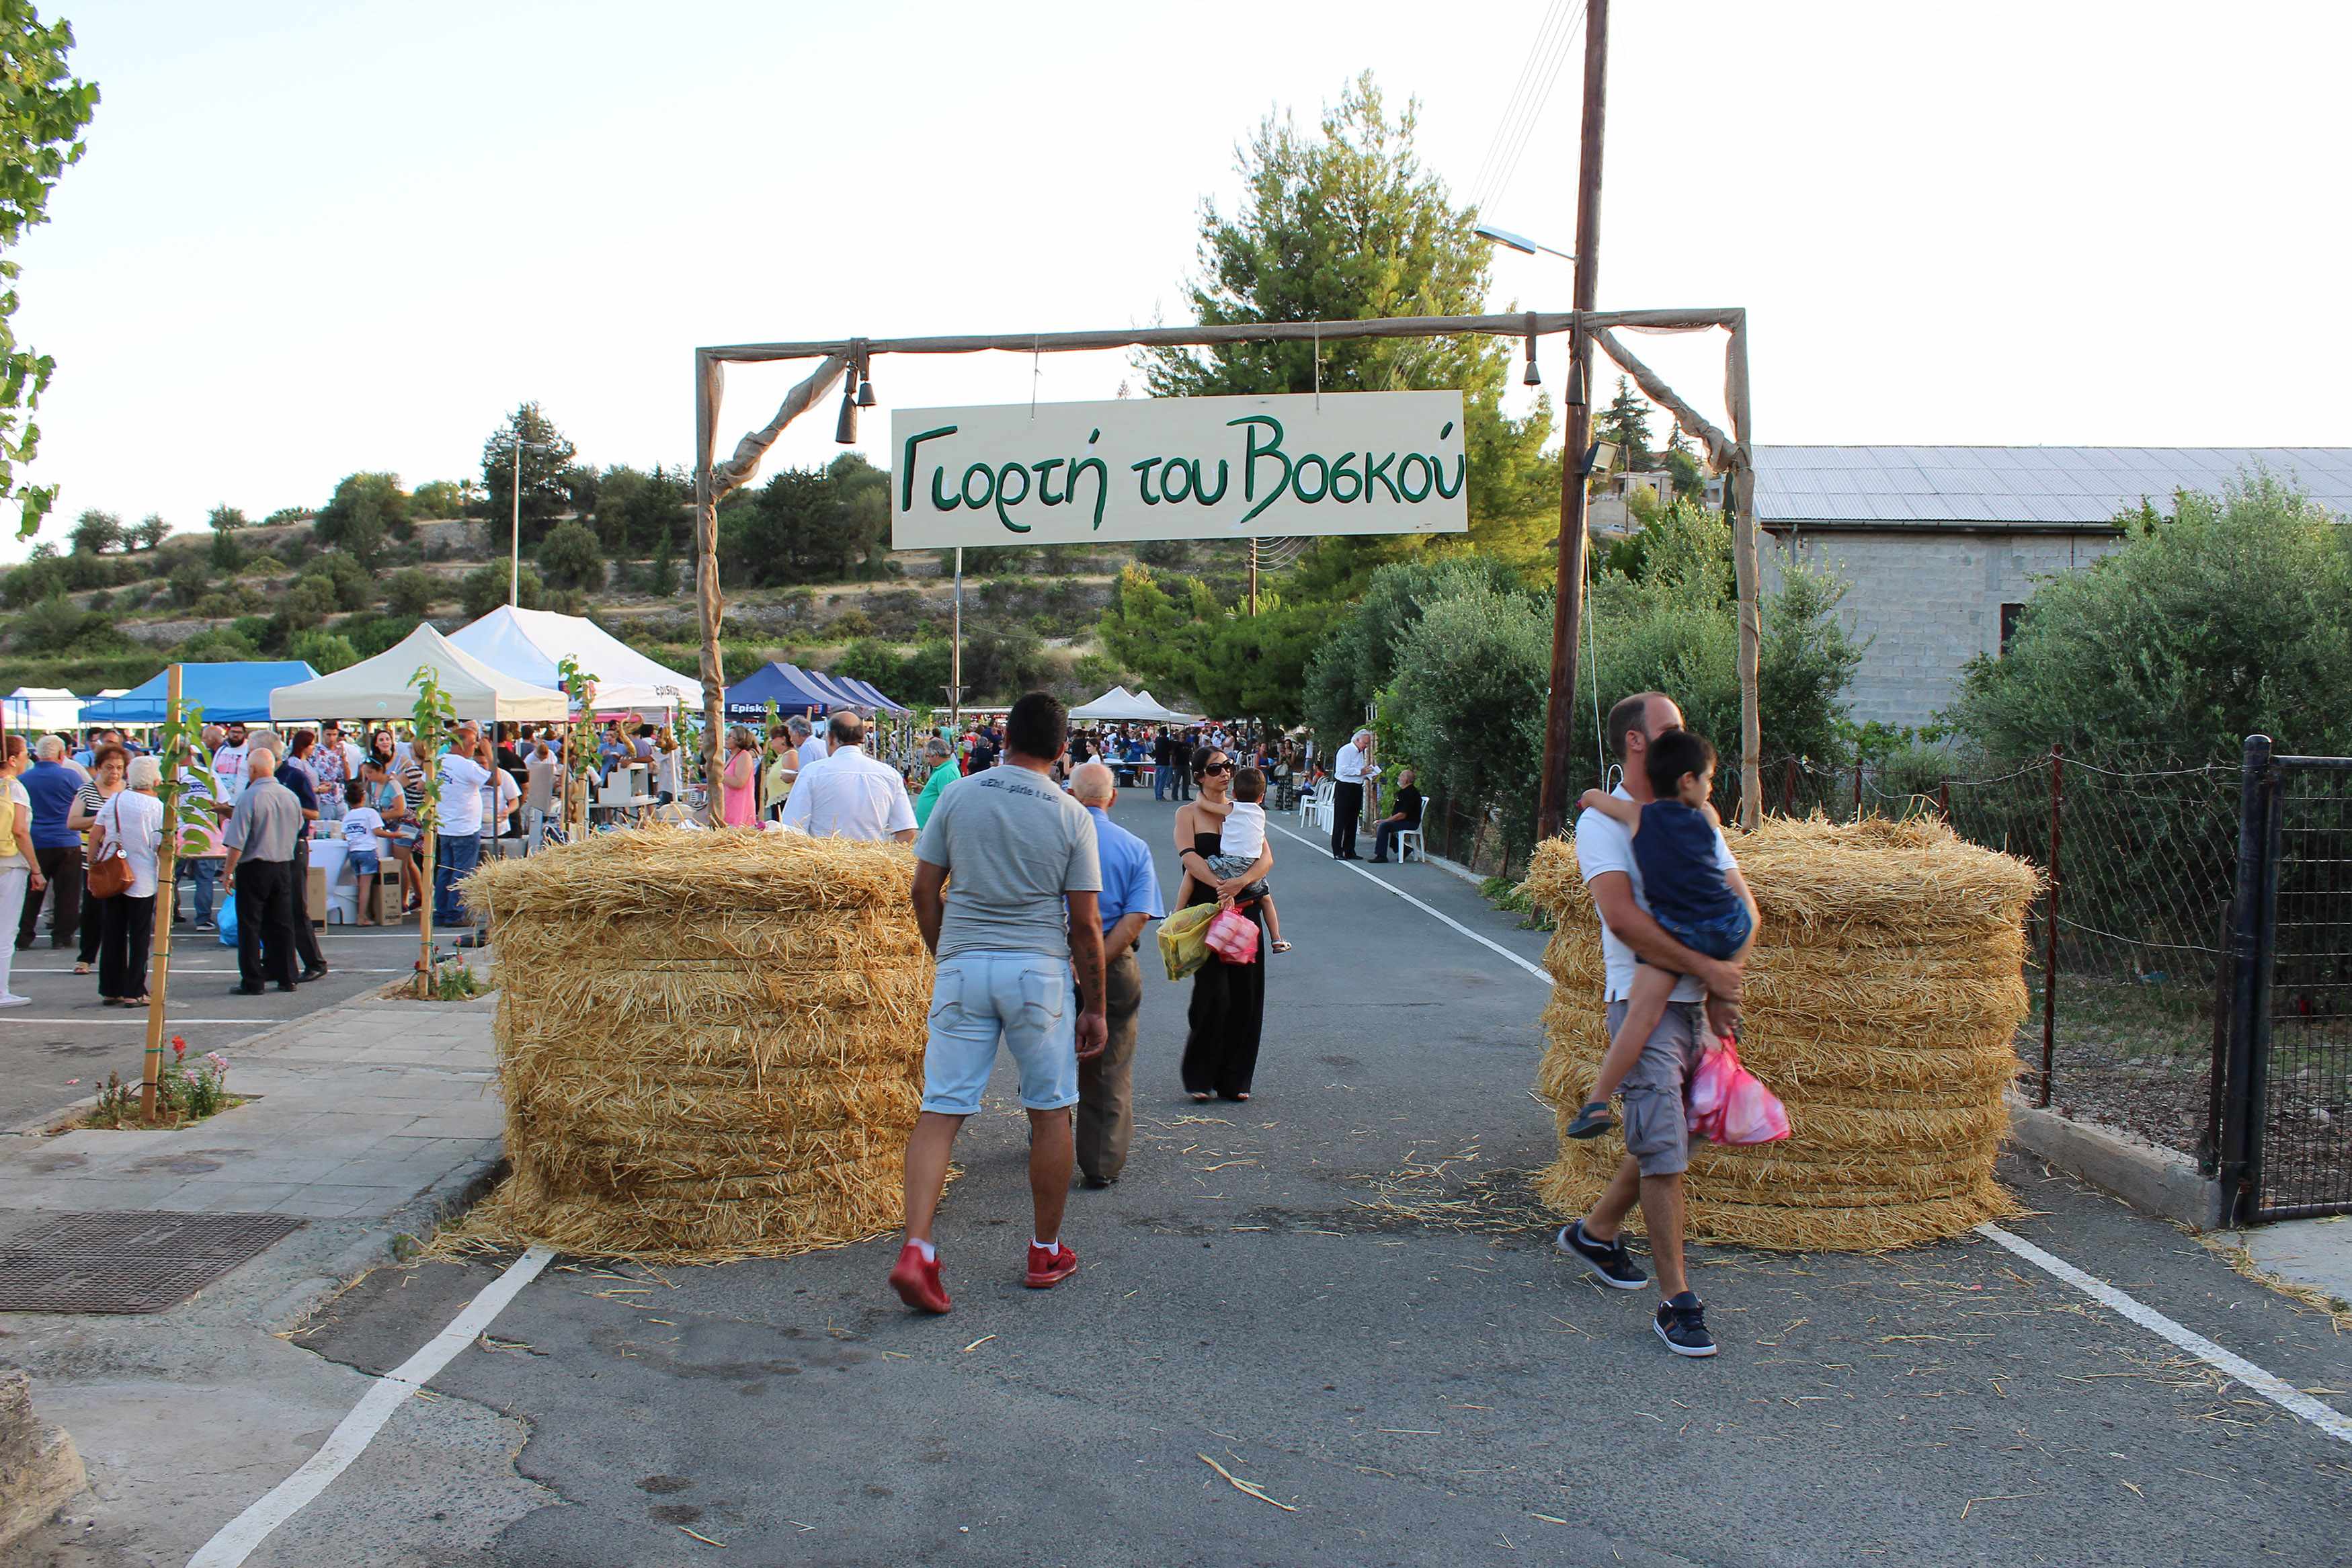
{"x":1282,"y":947}
{"x":81,"y":968}
{"x":1590,"y":1121}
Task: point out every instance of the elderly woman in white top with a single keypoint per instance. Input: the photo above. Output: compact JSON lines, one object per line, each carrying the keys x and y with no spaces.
{"x":132,"y":820}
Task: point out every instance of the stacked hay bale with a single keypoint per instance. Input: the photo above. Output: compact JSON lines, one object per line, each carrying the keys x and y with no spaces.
{"x":711,"y":1043}
{"x":1883,"y":997}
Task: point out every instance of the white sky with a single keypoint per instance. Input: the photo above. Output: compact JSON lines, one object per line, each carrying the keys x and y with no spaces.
{"x":312,"y":237}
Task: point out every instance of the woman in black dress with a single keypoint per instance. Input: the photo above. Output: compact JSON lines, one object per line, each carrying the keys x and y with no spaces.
{"x":1228,"y":999}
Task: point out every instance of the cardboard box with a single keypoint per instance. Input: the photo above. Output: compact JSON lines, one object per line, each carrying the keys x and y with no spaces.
{"x":314,"y":896}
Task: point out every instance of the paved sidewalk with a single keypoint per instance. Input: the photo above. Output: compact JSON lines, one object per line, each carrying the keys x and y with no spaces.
{"x":355,"y":1112}
{"x":369,"y":1119}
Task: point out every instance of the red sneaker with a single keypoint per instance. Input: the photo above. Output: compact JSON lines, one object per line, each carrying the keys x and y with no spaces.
{"x":917,"y":1280}
{"x":1049,"y":1266}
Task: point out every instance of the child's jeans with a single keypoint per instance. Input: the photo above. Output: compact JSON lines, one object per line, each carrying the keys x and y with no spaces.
{"x":1717,"y":938}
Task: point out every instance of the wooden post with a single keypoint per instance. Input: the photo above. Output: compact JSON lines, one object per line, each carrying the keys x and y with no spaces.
{"x":159,"y":965}
{"x":712,"y":672}
{"x":1745,"y":570}
{"x":1568,"y":601}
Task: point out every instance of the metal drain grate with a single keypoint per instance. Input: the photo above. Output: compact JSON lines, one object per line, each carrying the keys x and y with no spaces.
{"x":139,"y":1262}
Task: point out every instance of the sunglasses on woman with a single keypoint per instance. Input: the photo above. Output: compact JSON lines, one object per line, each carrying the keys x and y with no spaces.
{"x":1218,"y":767}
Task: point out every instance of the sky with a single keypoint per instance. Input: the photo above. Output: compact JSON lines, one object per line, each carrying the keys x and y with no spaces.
{"x":316,"y":237}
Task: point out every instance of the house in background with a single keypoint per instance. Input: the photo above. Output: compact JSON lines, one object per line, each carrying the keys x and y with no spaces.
{"x":1943,"y":545}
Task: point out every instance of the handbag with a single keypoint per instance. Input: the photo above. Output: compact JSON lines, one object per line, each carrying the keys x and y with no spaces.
{"x":110,"y":870}
{"x":1180,"y":945}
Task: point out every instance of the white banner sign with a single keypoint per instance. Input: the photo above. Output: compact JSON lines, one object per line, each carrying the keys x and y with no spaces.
{"x":1178,"y":468}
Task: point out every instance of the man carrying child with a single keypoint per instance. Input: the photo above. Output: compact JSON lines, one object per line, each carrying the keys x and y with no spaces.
{"x":1657,"y":1130}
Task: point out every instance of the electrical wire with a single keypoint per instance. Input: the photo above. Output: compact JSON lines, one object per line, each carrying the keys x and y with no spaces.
{"x":1550,"y":78}
{"x":1514,"y":106}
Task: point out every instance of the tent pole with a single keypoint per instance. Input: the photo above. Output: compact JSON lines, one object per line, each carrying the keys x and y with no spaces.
{"x":713,"y":671}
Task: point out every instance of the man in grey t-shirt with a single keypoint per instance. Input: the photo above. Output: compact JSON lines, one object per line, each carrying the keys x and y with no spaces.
{"x":1005,"y":893}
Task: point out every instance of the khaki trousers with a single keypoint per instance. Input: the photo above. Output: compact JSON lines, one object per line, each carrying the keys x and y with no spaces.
{"x":1107,"y":1084}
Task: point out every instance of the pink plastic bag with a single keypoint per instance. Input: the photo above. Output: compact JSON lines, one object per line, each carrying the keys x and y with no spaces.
{"x":1729,"y":1105}
{"x":1231,"y":936}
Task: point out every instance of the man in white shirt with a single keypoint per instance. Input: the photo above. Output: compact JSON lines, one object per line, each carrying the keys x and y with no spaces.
{"x":849,"y":795}
{"x":1657,"y":1136}
{"x":457,"y":846}
{"x":228,"y":766}
{"x":811,"y":747}
{"x":1349,"y":775}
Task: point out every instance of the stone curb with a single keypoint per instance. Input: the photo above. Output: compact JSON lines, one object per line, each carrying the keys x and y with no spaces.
{"x":2152,"y":1180}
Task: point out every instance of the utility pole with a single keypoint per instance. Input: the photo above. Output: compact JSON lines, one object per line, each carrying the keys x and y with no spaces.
{"x":514,"y":557}
{"x":1253,"y":574}
{"x":1567,"y":604}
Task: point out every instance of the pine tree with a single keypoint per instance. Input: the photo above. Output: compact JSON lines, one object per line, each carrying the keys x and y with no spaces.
{"x":661,"y":577}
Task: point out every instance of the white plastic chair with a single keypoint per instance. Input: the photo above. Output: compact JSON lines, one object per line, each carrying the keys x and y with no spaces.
{"x":1315,"y":811}
{"x":1408,"y":839}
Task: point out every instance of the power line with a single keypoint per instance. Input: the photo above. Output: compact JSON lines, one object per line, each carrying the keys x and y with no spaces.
{"x":1513,"y":105}
{"x":1550,"y":78}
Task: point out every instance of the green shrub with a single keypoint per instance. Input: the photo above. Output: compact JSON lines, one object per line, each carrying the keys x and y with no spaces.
{"x":411,"y":592}
{"x":2227,"y":620}
{"x":325,"y":651}
{"x":484,"y":589}
{"x":570,"y":557}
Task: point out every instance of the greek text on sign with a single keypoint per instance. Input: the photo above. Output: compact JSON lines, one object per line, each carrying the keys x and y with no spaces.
{"x":1178,"y":468}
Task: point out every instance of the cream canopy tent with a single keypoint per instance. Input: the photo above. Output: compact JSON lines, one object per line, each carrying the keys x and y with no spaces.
{"x":385,"y":687}
{"x":530,"y":645}
{"x":1161,"y":711}
{"x":1117,"y":703}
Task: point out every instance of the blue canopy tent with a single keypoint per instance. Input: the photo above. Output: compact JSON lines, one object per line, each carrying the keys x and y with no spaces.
{"x":842,"y":696}
{"x":873,"y":696}
{"x":786,"y":685}
{"x":229,"y":694}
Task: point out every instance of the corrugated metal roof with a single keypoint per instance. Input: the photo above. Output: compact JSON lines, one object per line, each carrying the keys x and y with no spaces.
{"x":2020,"y":486}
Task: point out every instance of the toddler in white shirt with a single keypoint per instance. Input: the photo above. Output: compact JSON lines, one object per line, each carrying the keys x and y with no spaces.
{"x":1241,"y":839}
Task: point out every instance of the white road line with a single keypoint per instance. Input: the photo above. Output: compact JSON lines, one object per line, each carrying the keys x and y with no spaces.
{"x":237,"y":1539}
{"x":1391,"y":887}
{"x":2276,"y":1389}
{"x":2271,"y":1386}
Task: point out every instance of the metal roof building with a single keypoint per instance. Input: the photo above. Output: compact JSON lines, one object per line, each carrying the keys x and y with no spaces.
{"x":1943,"y":544}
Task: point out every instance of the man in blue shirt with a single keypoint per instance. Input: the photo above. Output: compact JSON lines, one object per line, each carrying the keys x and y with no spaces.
{"x":51,"y":786}
{"x":1129,"y":901}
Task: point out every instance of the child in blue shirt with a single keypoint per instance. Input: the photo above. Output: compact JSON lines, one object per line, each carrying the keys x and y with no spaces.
{"x":1705,"y":908}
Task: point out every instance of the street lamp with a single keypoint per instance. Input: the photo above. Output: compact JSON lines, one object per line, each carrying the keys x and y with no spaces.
{"x":1520,"y":243}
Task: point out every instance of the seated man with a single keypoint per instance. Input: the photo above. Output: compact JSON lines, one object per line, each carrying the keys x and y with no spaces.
{"x":1406,"y":815}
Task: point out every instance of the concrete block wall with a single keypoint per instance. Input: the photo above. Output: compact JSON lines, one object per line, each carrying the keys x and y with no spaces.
{"x":1925,"y":602}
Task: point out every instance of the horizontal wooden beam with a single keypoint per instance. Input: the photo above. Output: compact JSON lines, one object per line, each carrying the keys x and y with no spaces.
{"x":1515,"y":325}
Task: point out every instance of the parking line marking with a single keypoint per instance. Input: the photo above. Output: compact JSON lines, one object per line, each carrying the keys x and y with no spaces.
{"x":1425,"y":909}
{"x":140,"y":1016}
{"x":236,"y":1540}
{"x":2276,"y":1389}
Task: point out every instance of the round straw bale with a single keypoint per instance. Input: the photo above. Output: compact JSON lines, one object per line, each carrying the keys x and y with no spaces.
{"x":711,"y":1044}
{"x":1883,"y":996}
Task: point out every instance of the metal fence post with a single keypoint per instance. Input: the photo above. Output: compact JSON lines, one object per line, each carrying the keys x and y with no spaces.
{"x":1857,"y":789}
{"x":2246,"y":960}
{"x":2050,"y":949}
{"x":1789,"y":788}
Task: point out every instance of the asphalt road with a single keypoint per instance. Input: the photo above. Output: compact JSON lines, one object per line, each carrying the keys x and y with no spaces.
{"x":60,"y":1049}
{"x":1342,"y":1292}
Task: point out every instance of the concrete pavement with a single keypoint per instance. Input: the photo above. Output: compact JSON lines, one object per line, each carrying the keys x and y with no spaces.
{"x":1343,"y":1293}
{"x":369,"y":1120}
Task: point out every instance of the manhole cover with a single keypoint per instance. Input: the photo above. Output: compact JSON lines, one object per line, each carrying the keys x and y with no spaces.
{"x":127,"y":1263}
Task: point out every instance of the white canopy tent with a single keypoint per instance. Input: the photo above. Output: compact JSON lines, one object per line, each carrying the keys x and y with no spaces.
{"x":1117,"y":703}
{"x":43,"y":709}
{"x":385,"y":687}
{"x":531,"y":644}
{"x":1161,"y":712}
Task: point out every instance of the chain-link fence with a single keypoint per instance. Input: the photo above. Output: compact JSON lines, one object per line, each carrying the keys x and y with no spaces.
{"x":2145,"y":866}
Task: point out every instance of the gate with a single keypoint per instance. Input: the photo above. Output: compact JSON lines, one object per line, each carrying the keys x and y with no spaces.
{"x":2285,"y":1095}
